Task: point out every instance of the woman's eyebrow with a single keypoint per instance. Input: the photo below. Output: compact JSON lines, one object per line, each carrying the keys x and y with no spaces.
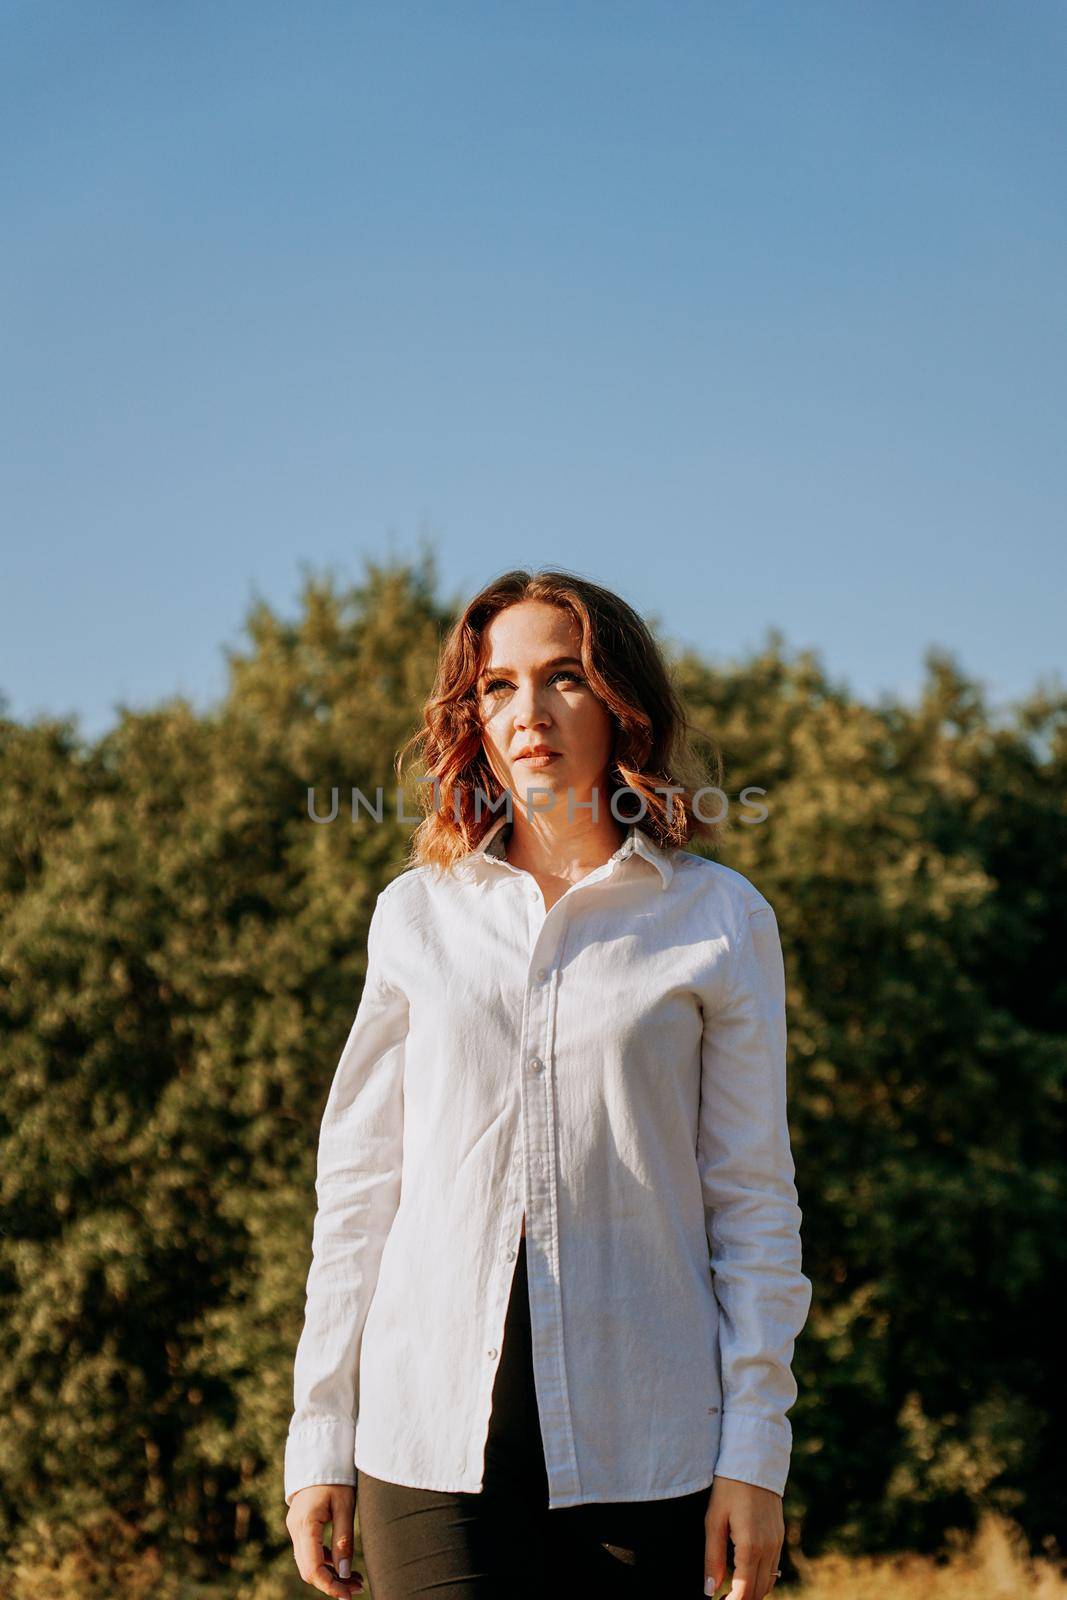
{"x":557,"y":661}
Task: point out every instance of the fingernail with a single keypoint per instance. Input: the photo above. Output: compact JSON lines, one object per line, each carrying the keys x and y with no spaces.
{"x":710,"y":1586}
{"x":344,"y":1568}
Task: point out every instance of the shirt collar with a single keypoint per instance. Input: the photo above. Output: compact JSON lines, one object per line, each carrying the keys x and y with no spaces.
{"x":493,"y":847}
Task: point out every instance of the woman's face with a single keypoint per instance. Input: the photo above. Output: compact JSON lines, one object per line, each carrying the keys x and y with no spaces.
{"x":533,"y":692}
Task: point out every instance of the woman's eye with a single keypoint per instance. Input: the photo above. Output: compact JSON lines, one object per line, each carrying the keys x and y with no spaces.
{"x":501,"y":683}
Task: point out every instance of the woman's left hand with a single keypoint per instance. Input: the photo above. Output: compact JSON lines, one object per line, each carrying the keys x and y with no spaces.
{"x":752,"y":1517}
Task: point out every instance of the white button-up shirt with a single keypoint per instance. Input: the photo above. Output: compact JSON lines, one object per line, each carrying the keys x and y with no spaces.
{"x":616,"y":1068}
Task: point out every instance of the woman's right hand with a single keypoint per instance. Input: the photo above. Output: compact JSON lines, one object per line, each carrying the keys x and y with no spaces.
{"x":325,"y":1567}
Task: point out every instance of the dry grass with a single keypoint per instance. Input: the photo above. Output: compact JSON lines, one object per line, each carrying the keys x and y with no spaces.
{"x":993,"y":1564}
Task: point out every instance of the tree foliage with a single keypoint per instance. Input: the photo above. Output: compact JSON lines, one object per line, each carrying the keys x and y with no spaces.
{"x":181,"y":953}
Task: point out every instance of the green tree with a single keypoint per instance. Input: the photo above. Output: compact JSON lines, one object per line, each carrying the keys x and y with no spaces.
{"x":181,"y":953}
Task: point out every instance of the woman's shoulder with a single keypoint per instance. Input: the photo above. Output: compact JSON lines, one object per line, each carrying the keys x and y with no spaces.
{"x":406,"y":895}
{"x":723,"y":885}
{"x":407,"y":882}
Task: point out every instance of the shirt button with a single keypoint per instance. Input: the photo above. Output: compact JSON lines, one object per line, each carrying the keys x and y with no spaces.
{"x":510,"y":1255}
{"x":491,"y":1354}
{"x":542,"y":974}
{"x":536,"y":1063}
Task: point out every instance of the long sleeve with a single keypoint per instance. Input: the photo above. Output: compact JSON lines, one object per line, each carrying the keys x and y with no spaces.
{"x":358,"y":1191}
{"x":750,"y":1202}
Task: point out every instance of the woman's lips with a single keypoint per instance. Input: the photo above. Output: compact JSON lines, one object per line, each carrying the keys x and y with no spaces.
{"x":541,"y":760}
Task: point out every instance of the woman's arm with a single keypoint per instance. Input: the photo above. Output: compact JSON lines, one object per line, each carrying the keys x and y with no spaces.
{"x":358,"y":1191}
{"x":750,"y":1203}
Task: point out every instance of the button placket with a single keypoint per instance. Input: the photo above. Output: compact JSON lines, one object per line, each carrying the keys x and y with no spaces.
{"x":546,"y":1309}
{"x":539,"y":998}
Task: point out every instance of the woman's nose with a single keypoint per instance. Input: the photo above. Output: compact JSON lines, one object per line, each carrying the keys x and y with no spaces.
{"x":529,"y":711}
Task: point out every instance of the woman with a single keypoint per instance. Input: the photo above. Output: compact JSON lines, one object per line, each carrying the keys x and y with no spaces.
{"x":556,"y":1278}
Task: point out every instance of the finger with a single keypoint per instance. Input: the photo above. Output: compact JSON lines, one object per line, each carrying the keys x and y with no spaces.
{"x":307,"y":1545}
{"x":325,"y":1578}
{"x":341,"y":1540}
{"x":764,"y":1578}
{"x":349,"y":1582}
{"x":714,"y":1556}
{"x":312,"y":1562}
{"x":746,"y":1571}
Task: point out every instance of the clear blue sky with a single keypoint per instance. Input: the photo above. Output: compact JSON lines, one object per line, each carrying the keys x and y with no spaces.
{"x":754,"y":311}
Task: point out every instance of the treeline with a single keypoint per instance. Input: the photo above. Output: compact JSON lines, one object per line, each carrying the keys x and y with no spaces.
{"x":181,"y":953}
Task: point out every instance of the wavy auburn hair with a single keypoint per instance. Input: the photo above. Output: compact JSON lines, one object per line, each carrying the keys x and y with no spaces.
{"x":624,"y":667}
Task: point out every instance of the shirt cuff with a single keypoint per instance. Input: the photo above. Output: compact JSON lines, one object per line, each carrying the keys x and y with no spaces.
{"x":319,"y":1451}
{"x":754,"y":1450}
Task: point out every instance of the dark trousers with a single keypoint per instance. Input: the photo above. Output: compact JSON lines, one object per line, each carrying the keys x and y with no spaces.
{"x":504,"y":1541}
